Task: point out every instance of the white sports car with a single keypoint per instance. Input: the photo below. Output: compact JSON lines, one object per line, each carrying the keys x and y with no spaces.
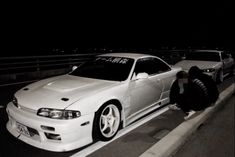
{"x":217,"y":64}
{"x":90,"y":103}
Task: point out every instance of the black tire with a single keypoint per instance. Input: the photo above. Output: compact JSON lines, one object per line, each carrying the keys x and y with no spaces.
{"x":103,"y":131}
{"x":201,"y":101}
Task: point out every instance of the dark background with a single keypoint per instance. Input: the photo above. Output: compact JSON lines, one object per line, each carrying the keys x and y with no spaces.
{"x":37,"y":29}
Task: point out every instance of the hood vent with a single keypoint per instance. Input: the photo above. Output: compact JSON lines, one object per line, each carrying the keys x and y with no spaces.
{"x":26,"y":89}
{"x":65,"y":99}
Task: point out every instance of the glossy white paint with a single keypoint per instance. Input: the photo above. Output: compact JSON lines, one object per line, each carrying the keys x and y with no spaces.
{"x":136,"y":96}
{"x":69,"y":130}
{"x":187,"y":64}
{"x":225,"y":64}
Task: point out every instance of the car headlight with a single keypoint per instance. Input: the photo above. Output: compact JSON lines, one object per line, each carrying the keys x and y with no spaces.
{"x":209,"y":70}
{"x":58,"y":114}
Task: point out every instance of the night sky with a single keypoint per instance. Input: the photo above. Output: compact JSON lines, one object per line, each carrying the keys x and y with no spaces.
{"x":118,"y":25}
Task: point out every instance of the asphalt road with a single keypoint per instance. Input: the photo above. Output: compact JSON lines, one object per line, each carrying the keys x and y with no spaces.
{"x":216,"y":136}
{"x":131,"y":144}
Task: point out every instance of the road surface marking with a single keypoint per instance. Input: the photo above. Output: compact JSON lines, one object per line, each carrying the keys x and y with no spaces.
{"x":87,"y":151}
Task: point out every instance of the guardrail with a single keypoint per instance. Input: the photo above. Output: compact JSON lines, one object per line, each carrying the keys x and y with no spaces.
{"x":29,"y":68}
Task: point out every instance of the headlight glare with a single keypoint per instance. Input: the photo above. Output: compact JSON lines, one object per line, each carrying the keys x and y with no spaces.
{"x":209,"y":70}
{"x":58,"y":114}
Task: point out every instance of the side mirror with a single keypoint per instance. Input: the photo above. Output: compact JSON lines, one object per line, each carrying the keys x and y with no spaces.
{"x":142,"y":76}
{"x":74,"y":67}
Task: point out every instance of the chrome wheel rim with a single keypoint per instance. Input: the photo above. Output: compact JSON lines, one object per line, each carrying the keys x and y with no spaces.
{"x":109,"y":121}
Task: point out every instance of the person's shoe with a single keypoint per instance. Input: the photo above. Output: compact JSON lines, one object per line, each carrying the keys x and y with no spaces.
{"x":189,"y":115}
{"x":174,"y":107}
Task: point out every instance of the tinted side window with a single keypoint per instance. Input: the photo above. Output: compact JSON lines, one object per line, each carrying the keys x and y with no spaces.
{"x":151,"y":66}
{"x":161,"y":66}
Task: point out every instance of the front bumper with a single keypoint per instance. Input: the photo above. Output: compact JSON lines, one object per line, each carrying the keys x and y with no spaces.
{"x":72,"y":133}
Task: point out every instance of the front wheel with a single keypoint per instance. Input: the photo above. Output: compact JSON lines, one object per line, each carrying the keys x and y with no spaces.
{"x":107,"y":122}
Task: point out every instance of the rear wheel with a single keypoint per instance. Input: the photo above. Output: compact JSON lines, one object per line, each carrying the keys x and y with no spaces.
{"x":107,"y":122}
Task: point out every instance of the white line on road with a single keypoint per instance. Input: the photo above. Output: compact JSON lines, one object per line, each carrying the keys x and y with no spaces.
{"x":100,"y":144}
{"x":178,"y":136}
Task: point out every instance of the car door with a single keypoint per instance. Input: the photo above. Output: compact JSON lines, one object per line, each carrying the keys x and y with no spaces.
{"x":147,"y":91}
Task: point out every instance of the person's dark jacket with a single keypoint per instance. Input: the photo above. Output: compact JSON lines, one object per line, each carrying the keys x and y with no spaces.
{"x":195,"y":96}
{"x":174,"y":92}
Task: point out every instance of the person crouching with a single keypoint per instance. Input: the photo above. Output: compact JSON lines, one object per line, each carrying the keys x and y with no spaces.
{"x":189,"y":95}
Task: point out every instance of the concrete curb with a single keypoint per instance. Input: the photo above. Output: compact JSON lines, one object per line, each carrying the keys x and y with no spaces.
{"x":171,"y":142}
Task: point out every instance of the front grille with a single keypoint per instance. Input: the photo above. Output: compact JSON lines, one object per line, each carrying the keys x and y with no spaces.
{"x":32,"y":132}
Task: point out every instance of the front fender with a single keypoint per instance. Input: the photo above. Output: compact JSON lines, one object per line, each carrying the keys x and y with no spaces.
{"x":92,"y":103}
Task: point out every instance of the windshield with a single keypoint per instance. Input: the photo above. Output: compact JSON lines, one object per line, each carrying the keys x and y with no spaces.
{"x":203,"y":56}
{"x":105,"y":68}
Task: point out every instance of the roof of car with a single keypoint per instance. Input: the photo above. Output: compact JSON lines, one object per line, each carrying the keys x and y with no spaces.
{"x":128,"y":55}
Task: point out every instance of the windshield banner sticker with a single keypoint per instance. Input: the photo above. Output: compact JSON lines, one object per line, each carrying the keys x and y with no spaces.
{"x":118,"y":60}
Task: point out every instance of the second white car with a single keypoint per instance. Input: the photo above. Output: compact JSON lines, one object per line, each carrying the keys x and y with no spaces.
{"x":215,"y":63}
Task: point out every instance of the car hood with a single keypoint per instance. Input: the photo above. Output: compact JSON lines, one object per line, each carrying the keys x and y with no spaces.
{"x":59,"y":92}
{"x":187,"y":64}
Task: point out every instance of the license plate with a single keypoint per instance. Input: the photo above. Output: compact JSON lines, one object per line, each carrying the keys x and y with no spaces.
{"x":22,"y":129}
